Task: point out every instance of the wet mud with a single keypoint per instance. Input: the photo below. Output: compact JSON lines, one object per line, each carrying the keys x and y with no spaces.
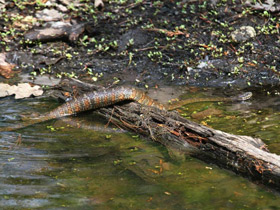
{"x":148,"y":43}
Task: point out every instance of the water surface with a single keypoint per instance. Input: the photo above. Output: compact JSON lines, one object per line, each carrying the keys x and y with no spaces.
{"x":52,"y":165}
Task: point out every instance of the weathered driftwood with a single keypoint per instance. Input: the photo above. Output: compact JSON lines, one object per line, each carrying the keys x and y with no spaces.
{"x":242,"y":154}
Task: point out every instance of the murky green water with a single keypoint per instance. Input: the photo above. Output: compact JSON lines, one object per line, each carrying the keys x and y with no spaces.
{"x":72,"y":168}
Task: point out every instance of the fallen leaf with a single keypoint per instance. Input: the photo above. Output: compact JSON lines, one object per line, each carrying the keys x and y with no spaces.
{"x":22,"y":90}
{"x":6,"y":68}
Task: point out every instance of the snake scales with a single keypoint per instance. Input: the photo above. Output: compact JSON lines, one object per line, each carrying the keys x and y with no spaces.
{"x":98,"y":99}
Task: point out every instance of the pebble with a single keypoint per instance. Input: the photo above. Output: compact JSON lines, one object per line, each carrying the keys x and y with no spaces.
{"x":243,"y":34}
{"x":49,"y":15}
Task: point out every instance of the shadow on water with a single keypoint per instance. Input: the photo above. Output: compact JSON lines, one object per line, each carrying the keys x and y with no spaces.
{"x":56,"y":166}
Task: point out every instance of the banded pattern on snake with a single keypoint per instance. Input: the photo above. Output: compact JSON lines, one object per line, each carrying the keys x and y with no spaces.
{"x":98,"y":99}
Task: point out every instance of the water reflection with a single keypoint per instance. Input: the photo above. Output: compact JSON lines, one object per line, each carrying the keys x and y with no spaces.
{"x":19,"y":183}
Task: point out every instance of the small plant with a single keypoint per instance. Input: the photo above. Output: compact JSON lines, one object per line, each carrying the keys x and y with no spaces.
{"x":155,"y":55}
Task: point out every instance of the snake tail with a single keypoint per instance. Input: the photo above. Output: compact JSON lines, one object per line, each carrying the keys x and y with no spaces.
{"x":92,"y":100}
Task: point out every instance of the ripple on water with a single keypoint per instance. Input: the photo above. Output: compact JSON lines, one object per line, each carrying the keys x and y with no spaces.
{"x":23,"y":181}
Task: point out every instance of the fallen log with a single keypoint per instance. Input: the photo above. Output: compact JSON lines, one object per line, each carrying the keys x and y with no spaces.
{"x":243,"y":155}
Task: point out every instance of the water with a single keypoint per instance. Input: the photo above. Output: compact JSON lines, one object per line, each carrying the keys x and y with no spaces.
{"x":70,"y":167}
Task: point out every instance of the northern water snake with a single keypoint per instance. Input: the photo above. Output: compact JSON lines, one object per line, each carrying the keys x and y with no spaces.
{"x":98,"y":99}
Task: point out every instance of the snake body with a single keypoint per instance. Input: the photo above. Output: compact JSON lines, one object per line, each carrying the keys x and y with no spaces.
{"x":103,"y":98}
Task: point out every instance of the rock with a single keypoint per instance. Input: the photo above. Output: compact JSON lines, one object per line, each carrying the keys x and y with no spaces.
{"x":2,"y":4}
{"x":6,"y":69}
{"x":269,"y":5}
{"x":49,"y":15}
{"x":243,"y":34}
{"x":75,"y":3}
{"x":61,"y":8}
{"x":98,"y":3}
{"x":56,"y":30}
{"x":40,"y":80}
{"x":140,"y":39}
{"x":202,"y":64}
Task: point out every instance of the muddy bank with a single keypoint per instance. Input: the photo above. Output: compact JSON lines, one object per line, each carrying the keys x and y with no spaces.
{"x":145,"y":43}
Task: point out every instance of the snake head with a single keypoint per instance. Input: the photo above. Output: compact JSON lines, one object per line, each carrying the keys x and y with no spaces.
{"x":243,"y":97}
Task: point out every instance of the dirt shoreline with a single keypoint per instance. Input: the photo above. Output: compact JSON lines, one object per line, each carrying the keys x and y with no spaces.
{"x":146,"y":43}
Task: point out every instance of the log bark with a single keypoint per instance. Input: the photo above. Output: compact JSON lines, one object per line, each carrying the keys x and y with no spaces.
{"x":243,"y":155}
